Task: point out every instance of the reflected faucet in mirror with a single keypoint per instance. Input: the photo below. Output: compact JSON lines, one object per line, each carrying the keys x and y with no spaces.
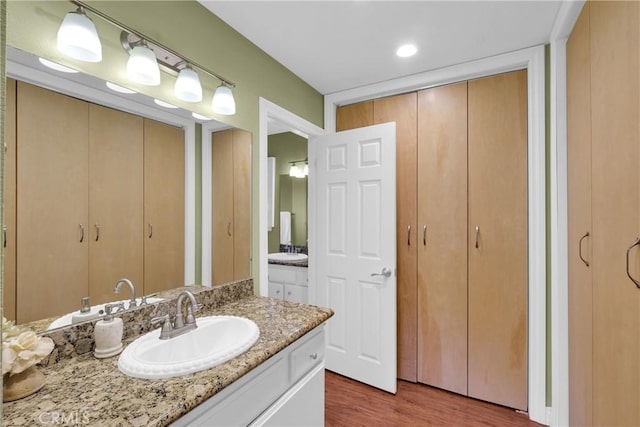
{"x":132,"y":291}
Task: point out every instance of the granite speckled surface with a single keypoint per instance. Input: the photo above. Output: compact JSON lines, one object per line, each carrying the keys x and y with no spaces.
{"x":94,"y":392}
{"x":304,"y":263}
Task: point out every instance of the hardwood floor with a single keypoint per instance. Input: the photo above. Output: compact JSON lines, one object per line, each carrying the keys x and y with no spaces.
{"x":350,"y":403}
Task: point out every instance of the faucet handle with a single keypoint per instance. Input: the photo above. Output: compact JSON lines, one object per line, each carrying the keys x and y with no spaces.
{"x":119,"y":306}
{"x":166,"y":325}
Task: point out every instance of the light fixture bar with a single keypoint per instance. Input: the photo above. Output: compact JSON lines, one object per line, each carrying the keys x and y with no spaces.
{"x":150,"y":40}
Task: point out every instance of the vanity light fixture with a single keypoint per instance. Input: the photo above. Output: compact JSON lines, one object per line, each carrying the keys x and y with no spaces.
{"x":56,"y":66}
{"x":295,"y":171}
{"x":142,"y":66}
{"x":78,"y":38}
{"x":187,"y":87}
{"x":116,"y":88}
{"x":200,"y":117}
{"x":164,"y":104}
{"x":223,"y":102}
{"x":305,"y":170}
{"x":406,"y":50}
{"x":298,"y":172}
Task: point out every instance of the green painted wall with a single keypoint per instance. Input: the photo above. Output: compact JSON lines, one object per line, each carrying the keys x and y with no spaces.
{"x":287,"y":147}
{"x":190,"y":29}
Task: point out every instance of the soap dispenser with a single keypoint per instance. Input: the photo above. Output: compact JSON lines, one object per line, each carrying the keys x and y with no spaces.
{"x":85,"y":312}
{"x":108,"y":334}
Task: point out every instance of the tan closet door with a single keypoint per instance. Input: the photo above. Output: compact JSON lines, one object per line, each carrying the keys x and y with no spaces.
{"x":52,"y":178}
{"x":442,"y":247}
{"x":354,"y":116}
{"x":9,"y":209}
{"x":579,"y":210}
{"x":615,"y":49}
{"x":222,"y":206}
{"x":241,"y":204}
{"x":498,"y":265}
{"x":115,"y":201}
{"x":402,"y":109}
{"x":163,"y":206}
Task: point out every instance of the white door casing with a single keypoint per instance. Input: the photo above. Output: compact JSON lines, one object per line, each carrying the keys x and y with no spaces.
{"x":356,"y":243}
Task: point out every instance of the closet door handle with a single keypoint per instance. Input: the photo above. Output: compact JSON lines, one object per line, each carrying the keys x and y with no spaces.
{"x":580,"y":249}
{"x":150,"y":230}
{"x":97,"y":232}
{"x":477,"y":236}
{"x":4,"y":236}
{"x":635,"y":243}
{"x":408,"y":235}
{"x":424,"y":235}
{"x":229,"y":229}
{"x":81,"y":232}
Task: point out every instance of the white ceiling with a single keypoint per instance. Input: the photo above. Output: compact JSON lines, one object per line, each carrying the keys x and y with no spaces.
{"x":339,"y":45}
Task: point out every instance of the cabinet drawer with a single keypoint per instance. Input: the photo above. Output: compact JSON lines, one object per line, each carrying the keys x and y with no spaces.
{"x":283,"y":274}
{"x":276,"y":290}
{"x":295,"y":293}
{"x":308,"y":355}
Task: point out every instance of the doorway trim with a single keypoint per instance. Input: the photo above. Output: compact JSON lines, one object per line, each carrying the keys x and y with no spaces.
{"x":533,"y":60}
{"x":271,"y":112}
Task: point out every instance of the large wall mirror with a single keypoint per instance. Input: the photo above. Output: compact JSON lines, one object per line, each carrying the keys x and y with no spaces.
{"x":100,"y":186}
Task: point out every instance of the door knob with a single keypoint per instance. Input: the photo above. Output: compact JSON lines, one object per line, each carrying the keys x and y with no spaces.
{"x":386,"y":272}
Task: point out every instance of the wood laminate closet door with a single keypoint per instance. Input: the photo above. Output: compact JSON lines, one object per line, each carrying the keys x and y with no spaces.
{"x":163,"y":206}
{"x":442,"y":238}
{"x":52,"y":208}
{"x":579,"y":223}
{"x":615,"y":114}
{"x":354,"y":116}
{"x":402,"y":109}
{"x":497,"y":247}
{"x":241,"y":204}
{"x":115,"y":201}
{"x":9,"y":200}
{"x":222,"y":206}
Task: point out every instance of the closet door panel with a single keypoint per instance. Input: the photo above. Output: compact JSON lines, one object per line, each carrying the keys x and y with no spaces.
{"x":115,"y":201}
{"x":354,"y":116}
{"x":9,"y":199}
{"x":222,"y":206}
{"x":442,"y":249}
{"x":616,"y":202}
{"x":498,"y":265}
{"x":402,"y":109}
{"x":52,"y":176}
{"x":241,"y":204}
{"x":163,"y":207}
{"x":579,"y":223}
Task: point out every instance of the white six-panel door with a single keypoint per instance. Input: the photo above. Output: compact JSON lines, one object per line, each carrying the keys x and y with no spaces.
{"x":356,"y":273}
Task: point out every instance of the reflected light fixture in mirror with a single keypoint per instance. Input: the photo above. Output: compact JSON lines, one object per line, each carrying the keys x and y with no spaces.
{"x":200,"y":117}
{"x":56,"y":66}
{"x":187,"y":87}
{"x":116,"y":88}
{"x":223,"y":102}
{"x":142,"y":66}
{"x":78,"y":38}
{"x":164,"y":104}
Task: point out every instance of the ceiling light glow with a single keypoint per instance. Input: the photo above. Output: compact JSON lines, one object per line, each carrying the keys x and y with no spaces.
{"x":406,"y":50}
{"x":120,"y":89}
{"x":164,"y":104}
{"x":56,"y":66}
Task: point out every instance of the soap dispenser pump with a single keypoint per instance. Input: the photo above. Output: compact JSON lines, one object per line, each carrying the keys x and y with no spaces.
{"x":108,"y":334}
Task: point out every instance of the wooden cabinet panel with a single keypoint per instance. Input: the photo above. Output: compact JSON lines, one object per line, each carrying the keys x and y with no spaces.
{"x":241,"y":204}
{"x":402,"y":109}
{"x":9,"y":199}
{"x":579,"y":223}
{"x":115,"y":201}
{"x":222,"y":206}
{"x":442,"y":255}
{"x":497,"y":162}
{"x":52,"y":176}
{"x":354,"y":116}
{"x":164,"y":179}
{"x":615,"y":92}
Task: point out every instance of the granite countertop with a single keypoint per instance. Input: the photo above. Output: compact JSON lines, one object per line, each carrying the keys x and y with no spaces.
{"x":94,"y":392}
{"x":304,"y":263}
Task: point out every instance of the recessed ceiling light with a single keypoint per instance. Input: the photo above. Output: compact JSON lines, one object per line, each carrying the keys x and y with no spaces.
{"x":200,"y":117}
{"x":120,"y":89}
{"x":56,"y":66}
{"x":164,"y":104}
{"x":406,"y":50}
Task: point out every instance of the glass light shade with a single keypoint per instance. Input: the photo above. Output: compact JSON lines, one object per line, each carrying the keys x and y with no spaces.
{"x":56,"y":66}
{"x":188,"y":86}
{"x":294,"y":171}
{"x":223,"y":102}
{"x":78,"y":38}
{"x":142,"y":66}
{"x":305,"y":171}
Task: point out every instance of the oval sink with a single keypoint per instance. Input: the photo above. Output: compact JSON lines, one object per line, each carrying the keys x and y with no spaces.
{"x":285,"y":256}
{"x":216,"y":340}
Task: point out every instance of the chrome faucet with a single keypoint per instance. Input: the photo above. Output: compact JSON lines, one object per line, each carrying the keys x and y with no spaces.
{"x":132,"y":291}
{"x":180,"y":324}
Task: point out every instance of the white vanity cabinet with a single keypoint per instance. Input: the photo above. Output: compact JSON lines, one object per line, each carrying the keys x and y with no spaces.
{"x":288,"y":283}
{"x":285,"y":390}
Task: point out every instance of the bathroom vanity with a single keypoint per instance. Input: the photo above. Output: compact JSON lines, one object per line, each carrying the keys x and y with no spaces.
{"x":288,"y":280}
{"x":278,"y":381}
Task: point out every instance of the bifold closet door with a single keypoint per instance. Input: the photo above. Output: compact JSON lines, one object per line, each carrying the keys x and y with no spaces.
{"x":163,"y":206}
{"x":222,"y":206}
{"x":442,"y":237}
{"x":9,"y":209}
{"x":402,"y":109}
{"x":52,"y":214}
{"x":497,"y":246}
{"x":115,"y":201}
{"x":579,"y":224}
{"x":615,"y":121}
